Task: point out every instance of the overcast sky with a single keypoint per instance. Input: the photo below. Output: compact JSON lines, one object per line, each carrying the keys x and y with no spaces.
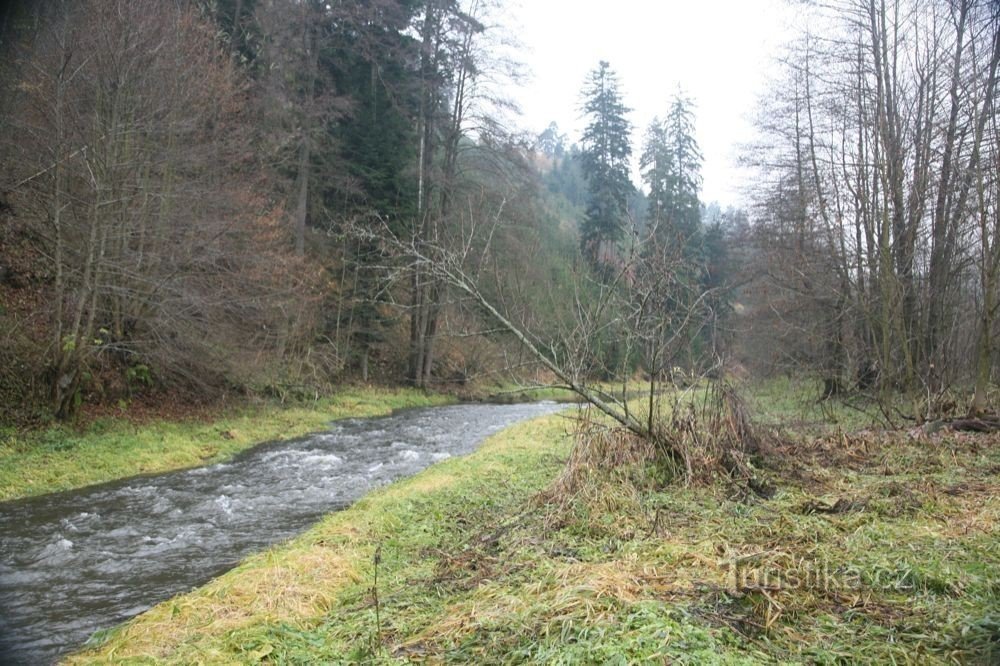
{"x":720,"y":51}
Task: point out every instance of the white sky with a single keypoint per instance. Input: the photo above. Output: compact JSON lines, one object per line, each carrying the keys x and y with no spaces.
{"x":719,"y":51}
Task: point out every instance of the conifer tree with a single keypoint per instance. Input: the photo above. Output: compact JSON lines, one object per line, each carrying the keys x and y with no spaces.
{"x":606,"y":152}
{"x":671,"y":167}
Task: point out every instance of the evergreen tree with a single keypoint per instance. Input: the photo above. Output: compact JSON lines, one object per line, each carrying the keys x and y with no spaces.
{"x":566,"y":178}
{"x":552,"y":142}
{"x":238,"y":28}
{"x":370,"y":61}
{"x":671,"y":167}
{"x":656,"y":164}
{"x":605,"y":160}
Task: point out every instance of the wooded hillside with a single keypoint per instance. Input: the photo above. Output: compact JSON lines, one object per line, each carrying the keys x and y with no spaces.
{"x":274,"y":197}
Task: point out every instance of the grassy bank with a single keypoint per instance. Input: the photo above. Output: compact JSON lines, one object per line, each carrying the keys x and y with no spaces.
{"x":61,"y":458}
{"x":513,"y":393}
{"x":878,"y":548}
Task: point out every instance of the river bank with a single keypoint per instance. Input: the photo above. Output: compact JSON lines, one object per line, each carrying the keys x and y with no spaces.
{"x":62,"y":457}
{"x":877,"y":548}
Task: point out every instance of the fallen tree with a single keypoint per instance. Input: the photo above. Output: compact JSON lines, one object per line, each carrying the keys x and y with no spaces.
{"x":627,"y":309}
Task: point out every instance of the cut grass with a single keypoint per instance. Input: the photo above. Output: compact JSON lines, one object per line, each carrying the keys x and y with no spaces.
{"x":476,"y":566}
{"x":61,"y":458}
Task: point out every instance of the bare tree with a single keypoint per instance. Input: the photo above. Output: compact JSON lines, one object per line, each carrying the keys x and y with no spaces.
{"x":462,"y":70}
{"x":131,"y":140}
{"x":877,"y":155}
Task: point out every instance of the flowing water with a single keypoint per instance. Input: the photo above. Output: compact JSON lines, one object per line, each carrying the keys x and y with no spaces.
{"x":75,"y":562}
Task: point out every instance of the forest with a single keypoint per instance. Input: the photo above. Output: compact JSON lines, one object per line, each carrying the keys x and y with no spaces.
{"x":272,"y":217}
{"x":215,"y":209}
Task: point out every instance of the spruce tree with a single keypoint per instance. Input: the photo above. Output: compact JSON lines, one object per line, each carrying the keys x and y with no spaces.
{"x":656,"y":165}
{"x":671,"y":168}
{"x":605,"y":161}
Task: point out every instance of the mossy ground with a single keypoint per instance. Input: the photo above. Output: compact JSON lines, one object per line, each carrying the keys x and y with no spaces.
{"x":478,"y":563}
{"x":60,"y":458}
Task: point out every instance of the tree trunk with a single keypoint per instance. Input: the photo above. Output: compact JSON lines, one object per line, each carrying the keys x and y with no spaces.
{"x":430,"y":333}
{"x":940,"y":262}
{"x":984,"y":353}
{"x":302,"y":204}
{"x":235,"y":29}
{"x":418,"y":313}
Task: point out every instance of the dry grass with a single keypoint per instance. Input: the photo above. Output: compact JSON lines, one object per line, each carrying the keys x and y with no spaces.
{"x":598,"y":447}
{"x":284,"y":585}
{"x":693,"y":443}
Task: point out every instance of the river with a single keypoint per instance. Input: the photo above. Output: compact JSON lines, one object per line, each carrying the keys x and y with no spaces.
{"x":75,"y":562}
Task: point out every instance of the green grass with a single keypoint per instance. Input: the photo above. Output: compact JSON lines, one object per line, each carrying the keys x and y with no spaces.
{"x":794,"y":404}
{"x":514,"y":393}
{"x":60,"y":458}
{"x":481,"y":562}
